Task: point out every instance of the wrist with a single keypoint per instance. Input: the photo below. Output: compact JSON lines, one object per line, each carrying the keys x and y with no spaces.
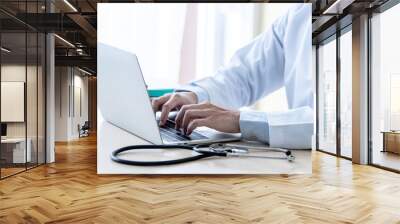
{"x":201,"y":94}
{"x":193,"y":97}
{"x":236,"y":120}
{"x":254,"y":125}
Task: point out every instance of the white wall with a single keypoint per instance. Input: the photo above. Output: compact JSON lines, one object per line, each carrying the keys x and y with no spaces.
{"x":16,"y":73}
{"x":12,"y":73}
{"x":33,"y":126}
{"x":61,"y":103}
{"x":80,"y":83}
{"x":69,"y":82}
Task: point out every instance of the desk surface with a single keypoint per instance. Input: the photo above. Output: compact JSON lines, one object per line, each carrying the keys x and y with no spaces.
{"x":391,"y":132}
{"x":13,"y":140}
{"x":110,"y":137}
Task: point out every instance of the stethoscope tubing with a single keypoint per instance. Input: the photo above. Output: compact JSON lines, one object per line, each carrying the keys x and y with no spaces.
{"x":115,"y":153}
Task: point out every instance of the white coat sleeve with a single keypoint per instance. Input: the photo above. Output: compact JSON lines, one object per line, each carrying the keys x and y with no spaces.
{"x":281,"y":56}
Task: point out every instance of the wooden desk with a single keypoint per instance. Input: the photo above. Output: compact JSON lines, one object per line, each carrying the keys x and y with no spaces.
{"x":391,"y":141}
{"x":110,"y":137}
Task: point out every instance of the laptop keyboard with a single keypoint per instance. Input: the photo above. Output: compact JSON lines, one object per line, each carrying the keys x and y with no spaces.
{"x":169,"y":133}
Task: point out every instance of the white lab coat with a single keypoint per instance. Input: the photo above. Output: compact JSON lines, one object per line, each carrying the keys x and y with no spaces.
{"x":279,"y":57}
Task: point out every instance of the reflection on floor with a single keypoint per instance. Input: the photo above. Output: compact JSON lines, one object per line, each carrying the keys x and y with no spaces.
{"x":346,"y":152}
{"x":387,"y":159}
{"x":10,"y":171}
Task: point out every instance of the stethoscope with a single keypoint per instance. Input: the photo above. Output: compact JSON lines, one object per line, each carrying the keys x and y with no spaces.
{"x":204,"y":151}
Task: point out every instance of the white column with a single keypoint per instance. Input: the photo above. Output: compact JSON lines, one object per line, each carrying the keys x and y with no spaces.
{"x":50,"y":99}
{"x":50,"y":92}
{"x":360,"y":90}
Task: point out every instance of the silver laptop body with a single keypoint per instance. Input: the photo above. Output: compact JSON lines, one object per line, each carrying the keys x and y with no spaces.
{"x":124,"y":102}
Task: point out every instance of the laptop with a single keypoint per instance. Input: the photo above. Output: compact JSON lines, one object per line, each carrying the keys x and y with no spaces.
{"x":124,"y":102}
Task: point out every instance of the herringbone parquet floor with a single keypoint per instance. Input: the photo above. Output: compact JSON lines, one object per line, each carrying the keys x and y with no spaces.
{"x":70,"y":191}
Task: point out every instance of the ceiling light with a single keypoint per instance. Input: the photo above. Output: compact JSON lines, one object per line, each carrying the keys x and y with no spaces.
{"x":79,"y":51}
{"x":5,"y":50}
{"x":65,"y":41}
{"x":84,"y":71}
{"x":70,"y":5}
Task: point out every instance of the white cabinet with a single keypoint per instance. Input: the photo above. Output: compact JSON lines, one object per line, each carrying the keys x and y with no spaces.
{"x":17,"y":145}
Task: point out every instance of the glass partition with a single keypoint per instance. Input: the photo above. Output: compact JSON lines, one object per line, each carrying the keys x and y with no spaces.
{"x":31,"y":99}
{"x":14,"y":153}
{"x":23,"y":91}
{"x":32,"y":84}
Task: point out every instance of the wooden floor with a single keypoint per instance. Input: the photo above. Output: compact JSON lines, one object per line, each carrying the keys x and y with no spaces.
{"x":70,"y":191}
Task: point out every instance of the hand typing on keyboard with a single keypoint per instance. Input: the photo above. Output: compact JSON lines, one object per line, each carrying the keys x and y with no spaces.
{"x":171,"y":102}
{"x":192,"y":115}
{"x":169,"y":132}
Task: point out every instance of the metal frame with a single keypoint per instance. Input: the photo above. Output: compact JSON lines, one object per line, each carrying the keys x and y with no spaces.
{"x":338,"y":98}
{"x":0,"y":94}
{"x":26,"y":90}
{"x":37,"y":91}
{"x":369,"y":90}
{"x":316,"y":97}
{"x":45,"y":90}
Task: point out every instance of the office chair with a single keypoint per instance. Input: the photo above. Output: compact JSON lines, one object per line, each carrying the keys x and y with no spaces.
{"x":84,"y":130}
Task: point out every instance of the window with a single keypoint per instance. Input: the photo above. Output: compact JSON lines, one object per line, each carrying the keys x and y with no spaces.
{"x":196,"y":40}
{"x":346,"y":94}
{"x":385,"y":89}
{"x":327,"y":96}
{"x":334,"y":138}
{"x":394,"y":101}
{"x":185,"y":41}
